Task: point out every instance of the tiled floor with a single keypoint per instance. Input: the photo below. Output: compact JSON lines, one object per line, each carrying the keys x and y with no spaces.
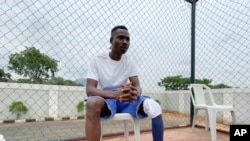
{"x":177,"y":134}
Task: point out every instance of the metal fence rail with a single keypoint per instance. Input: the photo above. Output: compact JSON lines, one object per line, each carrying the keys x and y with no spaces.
{"x":69,"y":33}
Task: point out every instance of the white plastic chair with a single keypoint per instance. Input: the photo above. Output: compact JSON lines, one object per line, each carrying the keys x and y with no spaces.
{"x":2,"y":138}
{"x":199,"y":101}
{"x":127,"y":117}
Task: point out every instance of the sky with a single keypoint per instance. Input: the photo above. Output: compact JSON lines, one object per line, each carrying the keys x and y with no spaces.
{"x":73,"y":31}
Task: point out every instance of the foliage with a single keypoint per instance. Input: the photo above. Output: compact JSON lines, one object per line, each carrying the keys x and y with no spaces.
{"x":181,"y":83}
{"x":174,"y":83}
{"x":219,"y":86}
{"x":33,"y":64}
{"x":80,"y":107}
{"x":38,"y":67}
{"x":2,"y":73}
{"x":158,"y":101}
{"x":53,"y":81}
{"x":24,"y":81}
{"x":4,"y":77}
{"x":61,"y":81}
{"x":18,"y":108}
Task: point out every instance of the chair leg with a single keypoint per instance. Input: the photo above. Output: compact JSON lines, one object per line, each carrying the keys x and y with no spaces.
{"x":194,"y":118}
{"x":126,"y":133}
{"x":137,"y":129}
{"x":206,"y":120}
{"x":125,"y":118}
{"x":212,"y":122}
{"x":233,"y":117}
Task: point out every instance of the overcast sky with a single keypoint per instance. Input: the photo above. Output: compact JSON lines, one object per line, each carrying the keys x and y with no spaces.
{"x":73,"y":31}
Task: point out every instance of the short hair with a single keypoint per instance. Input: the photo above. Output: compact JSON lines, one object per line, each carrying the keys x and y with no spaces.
{"x":118,"y":27}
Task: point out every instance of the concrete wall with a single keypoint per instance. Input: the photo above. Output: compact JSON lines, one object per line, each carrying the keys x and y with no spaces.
{"x":61,"y":101}
{"x":41,"y":100}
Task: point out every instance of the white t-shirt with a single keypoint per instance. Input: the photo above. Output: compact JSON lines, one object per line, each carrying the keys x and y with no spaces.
{"x":109,"y":73}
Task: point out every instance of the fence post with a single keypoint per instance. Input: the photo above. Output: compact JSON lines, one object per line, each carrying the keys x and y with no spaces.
{"x":193,"y":2}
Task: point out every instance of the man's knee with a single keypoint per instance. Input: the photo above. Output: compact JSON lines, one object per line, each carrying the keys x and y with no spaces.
{"x":95,"y":104}
{"x":151,"y":108}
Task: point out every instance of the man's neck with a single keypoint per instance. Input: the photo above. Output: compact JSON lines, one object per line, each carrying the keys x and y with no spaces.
{"x":114,"y":56}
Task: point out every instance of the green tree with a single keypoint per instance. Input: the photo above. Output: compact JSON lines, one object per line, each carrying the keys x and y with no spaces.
{"x":181,"y":83}
{"x":174,"y":83}
{"x":4,"y":77}
{"x":219,"y":86}
{"x":56,"y":81}
{"x":23,"y":80}
{"x":2,"y":73}
{"x":61,"y":81}
{"x":33,"y":64}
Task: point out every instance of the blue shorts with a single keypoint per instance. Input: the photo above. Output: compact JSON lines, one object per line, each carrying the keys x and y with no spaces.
{"x":115,"y":106}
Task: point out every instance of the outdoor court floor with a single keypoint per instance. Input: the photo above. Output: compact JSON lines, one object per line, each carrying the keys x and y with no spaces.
{"x":178,"y":134}
{"x":173,"y":134}
{"x":73,"y":130}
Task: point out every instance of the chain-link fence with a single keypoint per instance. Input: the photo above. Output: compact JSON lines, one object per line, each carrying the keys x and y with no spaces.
{"x":62,"y":36}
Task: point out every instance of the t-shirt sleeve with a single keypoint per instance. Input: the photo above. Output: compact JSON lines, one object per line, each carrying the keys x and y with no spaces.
{"x":133,"y":69}
{"x":92,"y":71}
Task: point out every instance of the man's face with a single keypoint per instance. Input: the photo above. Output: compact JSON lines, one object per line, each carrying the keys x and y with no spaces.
{"x":120,"y":41}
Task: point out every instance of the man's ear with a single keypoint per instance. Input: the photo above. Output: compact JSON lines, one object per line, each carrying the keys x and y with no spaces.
{"x":111,"y":39}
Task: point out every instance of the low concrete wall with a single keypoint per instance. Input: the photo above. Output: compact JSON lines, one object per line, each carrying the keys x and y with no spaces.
{"x":41,"y":100}
{"x":61,"y":101}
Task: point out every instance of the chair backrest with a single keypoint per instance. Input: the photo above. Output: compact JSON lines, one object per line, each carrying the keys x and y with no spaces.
{"x":198,"y":95}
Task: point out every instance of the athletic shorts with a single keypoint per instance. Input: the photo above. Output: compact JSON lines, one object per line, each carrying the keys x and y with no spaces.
{"x":114,"y":106}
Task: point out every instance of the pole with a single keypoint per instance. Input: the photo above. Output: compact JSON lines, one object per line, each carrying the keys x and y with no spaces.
{"x":193,"y":2}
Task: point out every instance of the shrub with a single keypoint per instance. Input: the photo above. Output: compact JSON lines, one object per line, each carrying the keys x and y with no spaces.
{"x":18,"y":108}
{"x":158,"y":101}
{"x":80,"y":107}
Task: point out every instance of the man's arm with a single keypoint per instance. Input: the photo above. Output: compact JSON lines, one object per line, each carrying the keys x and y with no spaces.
{"x":136,"y":84}
{"x":91,"y":90}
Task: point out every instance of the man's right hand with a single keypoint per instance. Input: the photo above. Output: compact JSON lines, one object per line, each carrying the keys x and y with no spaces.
{"x":127,"y":93}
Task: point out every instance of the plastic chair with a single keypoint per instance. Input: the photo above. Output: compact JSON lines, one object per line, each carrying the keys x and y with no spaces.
{"x":127,"y":117}
{"x":2,"y":138}
{"x":199,"y":101}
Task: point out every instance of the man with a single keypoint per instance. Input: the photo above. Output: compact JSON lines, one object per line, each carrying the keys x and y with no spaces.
{"x":113,"y":87}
